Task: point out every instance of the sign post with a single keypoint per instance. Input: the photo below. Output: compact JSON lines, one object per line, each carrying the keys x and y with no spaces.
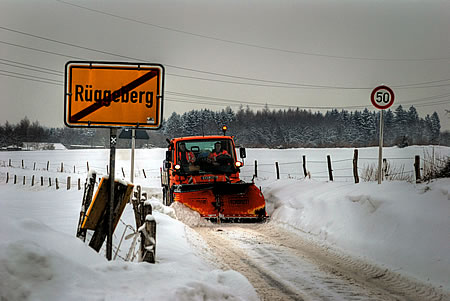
{"x":113,"y":95}
{"x":112,"y":169}
{"x":382,"y":97}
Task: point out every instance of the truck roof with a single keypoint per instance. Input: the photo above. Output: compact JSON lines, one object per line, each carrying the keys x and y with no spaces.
{"x":216,"y":137}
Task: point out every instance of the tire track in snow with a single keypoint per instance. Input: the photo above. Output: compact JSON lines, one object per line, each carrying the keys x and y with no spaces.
{"x":284,"y":266}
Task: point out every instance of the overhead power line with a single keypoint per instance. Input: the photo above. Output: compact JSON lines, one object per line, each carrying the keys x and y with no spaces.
{"x":200,"y":99}
{"x":315,"y":54}
{"x":284,"y":84}
{"x":31,"y":79}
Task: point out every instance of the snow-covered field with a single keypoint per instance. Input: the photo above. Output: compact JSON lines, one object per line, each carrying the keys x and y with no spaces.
{"x":402,"y":226}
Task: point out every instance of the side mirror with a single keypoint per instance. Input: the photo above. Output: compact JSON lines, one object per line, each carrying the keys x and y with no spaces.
{"x":242,"y":152}
{"x":168,"y":155}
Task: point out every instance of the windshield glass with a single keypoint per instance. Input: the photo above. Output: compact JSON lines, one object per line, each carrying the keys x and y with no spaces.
{"x":206,"y":156}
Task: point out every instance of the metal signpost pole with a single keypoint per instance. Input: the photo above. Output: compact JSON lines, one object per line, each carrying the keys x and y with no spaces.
{"x":112,"y":163}
{"x":380,"y":148}
{"x":382,"y":97}
{"x":133,"y":146}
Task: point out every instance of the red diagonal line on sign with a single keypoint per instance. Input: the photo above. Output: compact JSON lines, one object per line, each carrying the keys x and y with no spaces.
{"x":125,"y":89}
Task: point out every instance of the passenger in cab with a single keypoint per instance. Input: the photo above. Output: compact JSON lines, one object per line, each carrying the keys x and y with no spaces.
{"x":184,"y":156}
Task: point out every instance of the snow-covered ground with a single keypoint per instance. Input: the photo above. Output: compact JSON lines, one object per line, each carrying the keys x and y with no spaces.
{"x":403,"y":226}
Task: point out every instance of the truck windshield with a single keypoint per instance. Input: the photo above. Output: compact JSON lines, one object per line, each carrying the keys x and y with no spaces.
{"x":206,"y":156}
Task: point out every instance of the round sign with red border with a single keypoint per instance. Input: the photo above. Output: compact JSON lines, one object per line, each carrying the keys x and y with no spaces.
{"x":382,"y":97}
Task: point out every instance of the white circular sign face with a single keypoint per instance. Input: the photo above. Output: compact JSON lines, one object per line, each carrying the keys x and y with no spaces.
{"x":382,"y":97}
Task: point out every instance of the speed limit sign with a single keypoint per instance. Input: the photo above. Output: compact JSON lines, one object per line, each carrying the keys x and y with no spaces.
{"x":382,"y":97}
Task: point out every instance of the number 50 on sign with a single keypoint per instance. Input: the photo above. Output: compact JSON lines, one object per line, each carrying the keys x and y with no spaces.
{"x":382,"y":97}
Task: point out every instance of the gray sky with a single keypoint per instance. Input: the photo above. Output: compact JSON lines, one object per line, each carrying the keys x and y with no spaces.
{"x":310,"y":53}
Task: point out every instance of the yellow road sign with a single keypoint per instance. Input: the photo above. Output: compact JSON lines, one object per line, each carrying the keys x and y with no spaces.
{"x":100,"y":94}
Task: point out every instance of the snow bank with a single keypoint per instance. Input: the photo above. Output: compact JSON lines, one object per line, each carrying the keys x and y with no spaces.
{"x":41,"y":259}
{"x":405,"y":226}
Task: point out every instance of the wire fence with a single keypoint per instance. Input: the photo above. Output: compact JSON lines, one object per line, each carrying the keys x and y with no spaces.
{"x":61,"y":174}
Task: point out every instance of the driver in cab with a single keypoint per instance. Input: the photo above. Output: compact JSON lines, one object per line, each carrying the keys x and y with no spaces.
{"x":218,"y":151}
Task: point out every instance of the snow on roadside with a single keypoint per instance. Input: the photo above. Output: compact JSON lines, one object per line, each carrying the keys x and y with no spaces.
{"x":404,"y":226}
{"x":41,"y":259}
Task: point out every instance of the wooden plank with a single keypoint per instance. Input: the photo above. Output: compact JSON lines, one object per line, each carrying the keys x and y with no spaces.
{"x":96,"y":207}
{"x":122,"y":194}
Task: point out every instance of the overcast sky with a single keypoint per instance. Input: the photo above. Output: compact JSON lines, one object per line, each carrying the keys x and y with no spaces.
{"x":309,"y":54}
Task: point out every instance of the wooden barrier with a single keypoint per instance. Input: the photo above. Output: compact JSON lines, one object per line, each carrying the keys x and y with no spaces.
{"x":87,"y":199}
{"x":97,"y":214}
{"x":277,"y":167}
{"x":256,"y":169}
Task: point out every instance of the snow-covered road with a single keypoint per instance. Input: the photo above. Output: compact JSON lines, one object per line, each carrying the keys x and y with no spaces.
{"x":282,"y":265}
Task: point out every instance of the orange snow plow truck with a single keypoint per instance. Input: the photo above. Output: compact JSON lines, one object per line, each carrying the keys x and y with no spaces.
{"x":202,"y":172}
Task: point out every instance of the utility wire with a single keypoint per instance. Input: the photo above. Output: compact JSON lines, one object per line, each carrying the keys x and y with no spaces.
{"x":32,"y":69}
{"x":414,"y":85}
{"x":249,"y":44}
{"x":201,"y":99}
{"x":30,"y":79}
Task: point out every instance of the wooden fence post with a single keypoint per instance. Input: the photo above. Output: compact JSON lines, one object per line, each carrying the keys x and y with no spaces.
{"x":49,"y":182}
{"x":15,"y":179}
{"x":9,"y":164}
{"x":23,"y":166}
{"x":355,"y":166}
{"x":32,"y":180}
{"x":68,"y":183}
{"x":384,"y":170}
{"x":107,"y":169}
{"x":148,"y":235}
{"x":56,"y":183}
{"x":48,"y":163}
{"x":42,"y":181}
{"x":417,"y":168}
{"x":330,"y":170}
{"x":7,"y":177}
{"x":62,"y":167}
{"x":278,"y":170}
{"x":23,"y":180}
{"x":79,"y":184}
{"x":304,"y":166}
{"x":74,"y":169}
{"x":143,"y":171}
{"x":87,"y":165}
{"x":123,"y":172}
{"x":34,"y":166}
{"x":256,"y":168}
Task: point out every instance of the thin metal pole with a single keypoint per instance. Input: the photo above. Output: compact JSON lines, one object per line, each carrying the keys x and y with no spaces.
{"x":112,"y":161}
{"x":380,"y":148}
{"x":133,"y":146}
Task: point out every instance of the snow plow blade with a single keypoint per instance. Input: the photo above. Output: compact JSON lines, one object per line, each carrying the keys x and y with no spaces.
{"x":234,"y":202}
